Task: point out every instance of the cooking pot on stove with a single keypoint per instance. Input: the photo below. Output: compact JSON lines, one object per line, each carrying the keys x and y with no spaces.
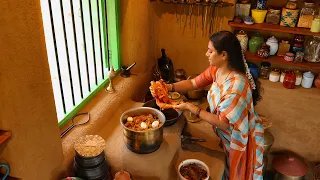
{"x":171,"y":115}
{"x":289,"y":167}
{"x":195,"y":94}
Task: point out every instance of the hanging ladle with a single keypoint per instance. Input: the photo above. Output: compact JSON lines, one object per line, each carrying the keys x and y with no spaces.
{"x":76,"y":123}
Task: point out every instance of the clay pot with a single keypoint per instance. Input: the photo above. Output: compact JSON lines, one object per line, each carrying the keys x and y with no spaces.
{"x":317,"y":81}
{"x":122,"y":175}
{"x":264,"y":51}
{"x":237,"y":19}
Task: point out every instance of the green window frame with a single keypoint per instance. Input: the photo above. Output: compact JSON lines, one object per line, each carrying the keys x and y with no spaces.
{"x":112,"y":36}
{"x":82,"y":39}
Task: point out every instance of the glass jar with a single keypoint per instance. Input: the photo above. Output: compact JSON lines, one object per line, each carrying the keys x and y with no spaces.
{"x":312,"y":49}
{"x":298,"y":40}
{"x":298,"y":43}
{"x":292,"y":4}
{"x":264,"y":70}
{"x":289,"y":80}
{"x":306,"y":15}
{"x":299,"y":57}
{"x":298,"y":77}
{"x":274,"y":75}
{"x":283,"y":74}
{"x":273,"y":16}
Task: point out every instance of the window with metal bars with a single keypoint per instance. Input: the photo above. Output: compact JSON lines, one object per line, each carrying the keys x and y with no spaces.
{"x":82,"y":43}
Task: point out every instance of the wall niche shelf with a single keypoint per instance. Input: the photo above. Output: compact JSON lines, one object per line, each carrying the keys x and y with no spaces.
{"x":274,"y":28}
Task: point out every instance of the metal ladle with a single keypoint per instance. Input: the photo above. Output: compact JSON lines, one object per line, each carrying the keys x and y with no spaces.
{"x":75,"y":124}
{"x":126,"y":71}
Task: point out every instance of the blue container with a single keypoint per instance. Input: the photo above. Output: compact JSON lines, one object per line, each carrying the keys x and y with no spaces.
{"x":254,"y":70}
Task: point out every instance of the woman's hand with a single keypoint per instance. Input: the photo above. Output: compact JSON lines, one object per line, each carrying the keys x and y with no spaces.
{"x":168,"y":86}
{"x":182,"y":106}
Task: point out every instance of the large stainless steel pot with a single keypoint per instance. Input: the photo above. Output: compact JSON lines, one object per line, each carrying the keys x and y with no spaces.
{"x":268,"y":141}
{"x":195,"y":94}
{"x":143,"y":142}
{"x":280,"y":176}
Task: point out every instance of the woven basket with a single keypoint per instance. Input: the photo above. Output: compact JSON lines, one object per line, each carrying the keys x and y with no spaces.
{"x":289,"y":17}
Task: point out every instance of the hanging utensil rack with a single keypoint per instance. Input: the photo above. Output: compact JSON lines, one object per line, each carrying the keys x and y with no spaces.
{"x":217,"y":4}
{"x":189,"y":12}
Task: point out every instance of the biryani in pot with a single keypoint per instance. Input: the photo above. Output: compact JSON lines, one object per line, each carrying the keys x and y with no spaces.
{"x":142,"y":122}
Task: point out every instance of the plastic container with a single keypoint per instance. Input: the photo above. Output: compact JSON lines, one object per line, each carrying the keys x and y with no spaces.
{"x":307,"y":80}
{"x":315,"y":27}
{"x":259,"y":15}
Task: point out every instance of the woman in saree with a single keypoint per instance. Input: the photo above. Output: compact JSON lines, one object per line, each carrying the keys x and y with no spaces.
{"x":233,"y":94}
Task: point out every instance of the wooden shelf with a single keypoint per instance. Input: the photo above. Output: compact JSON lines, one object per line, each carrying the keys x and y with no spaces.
{"x":274,"y":28}
{"x":217,"y":4}
{"x":4,"y":136}
{"x":280,"y":60}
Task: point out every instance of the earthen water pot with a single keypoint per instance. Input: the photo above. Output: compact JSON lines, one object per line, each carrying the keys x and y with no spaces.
{"x":122,"y":175}
{"x":317,"y":81}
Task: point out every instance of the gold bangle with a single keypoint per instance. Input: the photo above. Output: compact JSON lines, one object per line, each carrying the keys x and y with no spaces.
{"x":172,"y":88}
{"x":198,"y":112}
